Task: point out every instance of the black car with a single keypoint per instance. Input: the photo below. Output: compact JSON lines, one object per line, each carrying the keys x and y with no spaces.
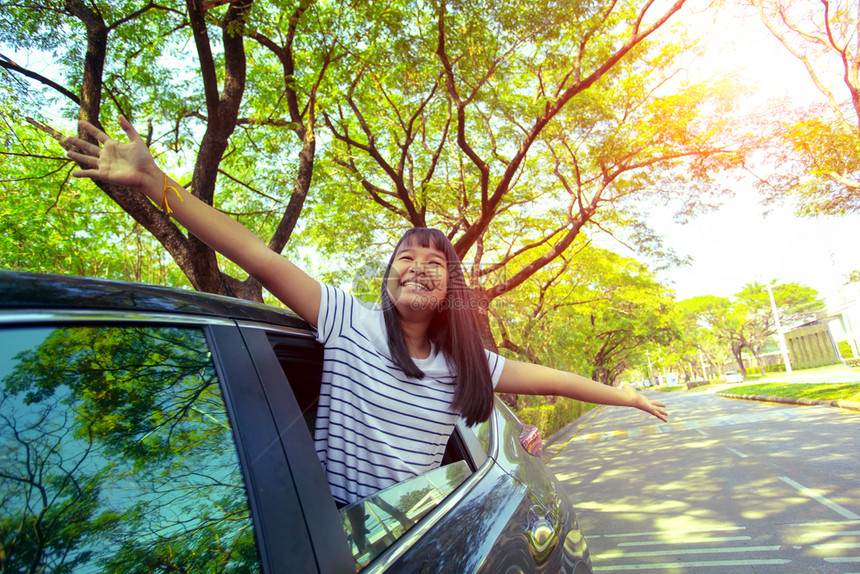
{"x":146,"y":429}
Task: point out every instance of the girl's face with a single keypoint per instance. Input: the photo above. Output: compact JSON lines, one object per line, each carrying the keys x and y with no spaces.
{"x":418,"y":278}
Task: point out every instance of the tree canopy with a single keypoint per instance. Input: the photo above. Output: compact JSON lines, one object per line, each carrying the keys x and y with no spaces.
{"x":816,"y":148}
{"x":223,"y":92}
{"x":521,"y":130}
{"x":593,"y":314}
{"x":482,"y":118}
{"x":515,"y":128}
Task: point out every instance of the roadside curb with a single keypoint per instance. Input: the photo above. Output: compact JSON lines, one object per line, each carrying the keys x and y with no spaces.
{"x":562,"y":435}
{"x":838,"y":403}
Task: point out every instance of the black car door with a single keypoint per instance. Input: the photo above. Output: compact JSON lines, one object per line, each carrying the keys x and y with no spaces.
{"x":141,"y":444}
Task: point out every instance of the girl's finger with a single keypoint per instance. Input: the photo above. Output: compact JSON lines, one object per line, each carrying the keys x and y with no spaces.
{"x":129,"y":130}
{"x":93,"y":131}
{"x":90,"y":173}
{"x":83,"y":158}
{"x":85,"y":146}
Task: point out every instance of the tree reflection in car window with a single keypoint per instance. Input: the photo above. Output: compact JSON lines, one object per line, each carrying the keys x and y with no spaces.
{"x":117,"y":454}
{"x":376,"y":522}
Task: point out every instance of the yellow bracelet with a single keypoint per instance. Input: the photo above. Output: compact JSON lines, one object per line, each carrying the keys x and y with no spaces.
{"x":164,"y":206}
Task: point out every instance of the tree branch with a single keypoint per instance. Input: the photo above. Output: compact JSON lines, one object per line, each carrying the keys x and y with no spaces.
{"x":8,"y":64}
{"x":470,"y":236}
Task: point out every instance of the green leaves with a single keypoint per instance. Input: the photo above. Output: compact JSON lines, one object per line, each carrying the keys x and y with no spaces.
{"x":592,"y":316}
{"x":520,"y":129}
{"x":747,"y":320}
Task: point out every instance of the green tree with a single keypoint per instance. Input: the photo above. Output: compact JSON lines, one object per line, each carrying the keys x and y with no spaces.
{"x":747,"y":321}
{"x":482,"y":119}
{"x":722,"y":319}
{"x":231,"y":87}
{"x":699,"y":347}
{"x":46,"y":225}
{"x":592,"y":314}
{"x":510,"y":126}
{"x":795,"y":304}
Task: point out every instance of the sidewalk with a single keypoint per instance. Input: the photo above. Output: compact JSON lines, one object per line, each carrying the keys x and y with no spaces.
{"x":838,"y":403}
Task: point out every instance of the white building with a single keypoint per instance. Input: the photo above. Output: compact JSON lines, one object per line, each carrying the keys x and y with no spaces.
{"x":843,"y":318}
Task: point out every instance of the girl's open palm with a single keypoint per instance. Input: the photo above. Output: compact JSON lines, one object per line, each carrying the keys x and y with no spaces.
{"x":643,"y":403}
{"x":128,"y":164}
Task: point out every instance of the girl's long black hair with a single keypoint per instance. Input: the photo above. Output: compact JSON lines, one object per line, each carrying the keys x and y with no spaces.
{"x":453,"y":331}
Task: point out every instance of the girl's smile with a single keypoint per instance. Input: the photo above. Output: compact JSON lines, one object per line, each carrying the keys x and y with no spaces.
{"x":418,"y":278}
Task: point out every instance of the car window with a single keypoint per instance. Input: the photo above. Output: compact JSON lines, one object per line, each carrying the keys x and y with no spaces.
{"x":301,"y":360}
{"x":118,"y":454}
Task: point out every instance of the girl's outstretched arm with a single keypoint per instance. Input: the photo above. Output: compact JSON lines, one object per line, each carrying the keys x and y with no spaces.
{"x":132,"y":165}
{"x":530,"y":379}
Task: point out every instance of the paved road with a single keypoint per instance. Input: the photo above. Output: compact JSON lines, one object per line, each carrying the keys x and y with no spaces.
{"x":726,"y":486}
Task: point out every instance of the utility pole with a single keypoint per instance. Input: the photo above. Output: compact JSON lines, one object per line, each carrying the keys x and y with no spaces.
{"x":782,"y":346}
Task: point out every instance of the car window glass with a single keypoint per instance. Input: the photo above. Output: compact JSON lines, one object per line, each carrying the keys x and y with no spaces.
{"x":118,"y":454}
{"x":376,"y":522}
{"x":301,"y":360}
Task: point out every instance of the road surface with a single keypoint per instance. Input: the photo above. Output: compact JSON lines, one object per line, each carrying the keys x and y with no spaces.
{"x":726,"y":486}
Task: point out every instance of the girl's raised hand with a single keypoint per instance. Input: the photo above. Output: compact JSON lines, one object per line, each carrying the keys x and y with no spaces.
{"x":128,"y":164}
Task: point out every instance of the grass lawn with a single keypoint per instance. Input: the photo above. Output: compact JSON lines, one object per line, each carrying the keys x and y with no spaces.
{"x":822,"y":391}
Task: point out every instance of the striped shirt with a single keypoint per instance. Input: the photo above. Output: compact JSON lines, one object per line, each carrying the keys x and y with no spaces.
{"x":375,"y":426}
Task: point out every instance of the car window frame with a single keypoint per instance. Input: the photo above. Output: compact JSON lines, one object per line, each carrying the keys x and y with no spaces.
{"x":321,"y":517}
{"x":269,"y":478}
{"x":472,"y":444}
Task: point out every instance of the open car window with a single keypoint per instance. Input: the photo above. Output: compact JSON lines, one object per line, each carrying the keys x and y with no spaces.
{"x":117,"y":451}
{"x":378,"y":521}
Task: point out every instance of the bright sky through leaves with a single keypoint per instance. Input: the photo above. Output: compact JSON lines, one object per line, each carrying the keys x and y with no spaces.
{"x":744,"y":241}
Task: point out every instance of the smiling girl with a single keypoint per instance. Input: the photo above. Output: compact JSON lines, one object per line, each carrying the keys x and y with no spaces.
{"x":396,"y":376}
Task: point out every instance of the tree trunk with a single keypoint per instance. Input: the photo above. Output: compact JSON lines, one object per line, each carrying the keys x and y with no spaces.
{"x":758,"y":361}
{"x":736,"y":351}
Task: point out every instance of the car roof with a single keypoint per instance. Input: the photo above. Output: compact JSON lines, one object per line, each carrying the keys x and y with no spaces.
{"x":39,"y":291}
